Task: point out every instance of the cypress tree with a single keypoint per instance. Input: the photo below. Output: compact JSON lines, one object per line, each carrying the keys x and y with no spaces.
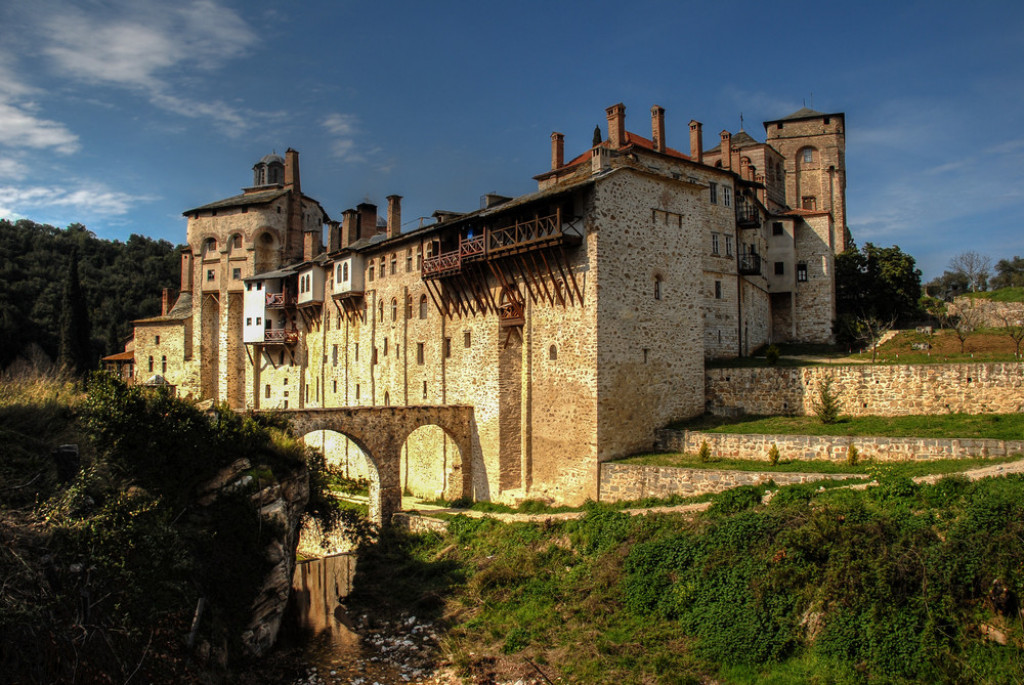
{"x":75,"y":351}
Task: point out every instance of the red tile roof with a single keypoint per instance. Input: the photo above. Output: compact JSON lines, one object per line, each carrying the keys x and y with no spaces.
{"x":631,"y":139}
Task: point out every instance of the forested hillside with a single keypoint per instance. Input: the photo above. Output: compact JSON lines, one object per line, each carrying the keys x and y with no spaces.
{"x":121,"y":281}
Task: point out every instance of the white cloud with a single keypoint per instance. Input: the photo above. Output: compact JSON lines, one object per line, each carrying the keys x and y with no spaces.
{"x":85,"y":201}
{"x":150,"y":47}
{"x":11,"y":168}
{"x":344,"y":127}
{"x":21,"y":128}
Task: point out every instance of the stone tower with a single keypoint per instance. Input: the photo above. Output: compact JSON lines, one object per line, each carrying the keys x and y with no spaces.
{"x":814,"y":147}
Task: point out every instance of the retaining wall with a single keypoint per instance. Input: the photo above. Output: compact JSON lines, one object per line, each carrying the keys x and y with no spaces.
{"x":634,"y":481}
{"x":834,"y":448}
{"x":866,"y":389}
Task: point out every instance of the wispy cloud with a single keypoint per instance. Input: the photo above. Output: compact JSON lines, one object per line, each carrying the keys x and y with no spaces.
{"x":84,"y":201}
{"x":150,"y":47}
{"x":344,"y":128}
{"x":20,"y":124}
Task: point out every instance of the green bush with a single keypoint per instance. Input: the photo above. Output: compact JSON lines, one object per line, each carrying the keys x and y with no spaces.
{"x":704,"y":453}
{"x":773,"y":455}
{"x":826,"y":404}
{"x":771,"y":355}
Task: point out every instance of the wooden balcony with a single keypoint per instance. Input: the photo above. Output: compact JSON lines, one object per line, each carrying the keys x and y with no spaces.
{"x":280,"y":300}
{"x":749,"y":264}
{"x":747,"y":216}
{"x":281,"y":336}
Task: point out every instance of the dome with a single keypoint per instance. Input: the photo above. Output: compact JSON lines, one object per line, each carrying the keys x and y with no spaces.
{"x":272,"y":158}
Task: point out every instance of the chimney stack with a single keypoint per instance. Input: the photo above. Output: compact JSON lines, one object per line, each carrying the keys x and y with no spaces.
{"x":349,"y":227}
{"x":367,"y":219}
{"x":696,"y":141}
{"x":186,"y":271}
{"x":726,"y":150}
{"x":394,"y":215}
{"x":557,"y":150}
{"x":310,"y":245}
{"x":658,"y":128}
{"x":291,"y":171}
{"x":333,"y":236}
{"x":165,"y":302}
{"x":616,"y":125}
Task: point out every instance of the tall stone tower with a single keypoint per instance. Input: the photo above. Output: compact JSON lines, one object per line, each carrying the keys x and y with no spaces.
{"x":814,"y":147}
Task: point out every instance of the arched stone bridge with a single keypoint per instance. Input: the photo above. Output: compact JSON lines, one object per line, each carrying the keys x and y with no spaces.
{"x":381,"y":431}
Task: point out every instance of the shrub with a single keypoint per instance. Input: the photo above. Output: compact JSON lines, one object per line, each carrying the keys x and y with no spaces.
{"x":704,"y":452}
{"x":852,"y":455}
{"x":826,"y":405}
{"x":773,"y":454}
{"x":771,"y":355}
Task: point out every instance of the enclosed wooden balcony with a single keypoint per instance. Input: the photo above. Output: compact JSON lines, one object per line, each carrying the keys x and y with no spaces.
{"x":281,"y":336}
{"x":747,"y":216}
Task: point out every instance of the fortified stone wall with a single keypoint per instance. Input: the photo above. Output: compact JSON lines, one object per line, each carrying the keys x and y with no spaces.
{"x":884,"y":390}
{"x":834,"y":448}
{"x":625,"y":482}
{"x":815,"y":298}
{"x":992,"y":314}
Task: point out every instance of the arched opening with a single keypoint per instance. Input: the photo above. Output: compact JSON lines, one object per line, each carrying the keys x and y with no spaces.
{"x":423,"y":306}
{"x":430,"y":464}
{"x":265,"y":252}
{"x":209,"y":248}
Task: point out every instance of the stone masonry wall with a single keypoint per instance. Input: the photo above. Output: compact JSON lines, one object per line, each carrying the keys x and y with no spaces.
{"x":992,"y":314}
{"x":898,"y":390}
{"x":621,"y":482}
{"x":834,"y":448}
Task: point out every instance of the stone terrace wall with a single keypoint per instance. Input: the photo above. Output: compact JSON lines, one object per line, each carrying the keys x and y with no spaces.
{"x":881,"y":390}
{"x":809,"y":447}
{"x":633,"y":481}
{"x":993,"y":314}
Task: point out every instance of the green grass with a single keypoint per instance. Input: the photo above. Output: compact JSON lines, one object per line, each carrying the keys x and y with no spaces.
{"x":909,"y":469}
{"x":1002,"y":295}
{"x":994,"y":426}
{"x":539,"y":508}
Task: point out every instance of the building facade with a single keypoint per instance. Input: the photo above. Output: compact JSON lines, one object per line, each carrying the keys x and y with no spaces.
{"x":575,"y":320}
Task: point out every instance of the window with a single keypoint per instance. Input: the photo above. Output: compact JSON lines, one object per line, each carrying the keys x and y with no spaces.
{"x":552,"y":353}
{"x":777,"y":228}
{"x":334,"y":355}
{"x":236,"y":240}
{"x":419,"y":258}
{"x":657,"y":287}
{"x":236,"y":274}
{"x":780,"y":268}
{"x":801,"y":272}
{"x":266,"y":391}
{"x":394,"y":263}
{"x":714,"y":243}
{"x":419,"y":353}
{"x":369,"y":273}
{"x":809,"y":202}
{"x":151,"y":365}
{"x":447,"y":347}
{"x":408,"y":306}
{"x":387,"y":399}
{"x":423,"y":306}
{"x":356,"y":350}
{"x":156,"y":340}
{"x":335,"y":386}
{"x":424,"y":390}
{"x":728,"y":246}
{"x":385,"y":347}
{"x":259,"y":320}
{"x":394,"y":309}
{"x":718,"y":290}
{"x":374,"y":355}
{"x":210,"y":275}
{"x":467,"y":339}
{"x":357,"y":391}
{"x":726,"y":196}
{"x":383,"y":265}
{"x":713,"y":188}
{"x":408,"y":260}
{"x":808,"y":155}
{"x":248,"y":321}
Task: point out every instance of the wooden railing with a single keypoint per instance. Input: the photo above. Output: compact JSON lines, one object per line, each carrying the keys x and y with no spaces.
{"x":443,"y":263}
{"x":471,"y":247}
{"x":280,"y":300}
{"x":281,"y":335}
{"x":511,"y":313}
{"x":523,"y":233}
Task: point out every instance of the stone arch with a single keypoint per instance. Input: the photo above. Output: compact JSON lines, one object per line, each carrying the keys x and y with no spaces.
{"x":208,"y":246}
{"x":266,"y":245}
{"x":431,"y":463}
{"x":236,"y":243}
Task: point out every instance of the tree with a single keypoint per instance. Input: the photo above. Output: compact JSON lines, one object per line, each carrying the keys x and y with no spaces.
{"x":1014,"y":327}
{"x":875,"y":284}
{"x":966,"y":321}
{"x":948,"y":286}
{"x":1009,"y":273}
{"x":974,"y":267}
{"x":868,"y":330}
{"x":75,"y":352}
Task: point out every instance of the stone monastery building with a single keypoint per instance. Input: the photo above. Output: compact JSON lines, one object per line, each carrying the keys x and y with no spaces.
{"x":575,"y":320}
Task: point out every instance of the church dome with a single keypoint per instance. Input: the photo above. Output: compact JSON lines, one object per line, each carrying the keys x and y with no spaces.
{"x":268,"y":171}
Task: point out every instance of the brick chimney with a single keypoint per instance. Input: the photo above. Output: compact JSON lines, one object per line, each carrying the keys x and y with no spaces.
{"x":658,"y":128}
{"x":696,"y":141}
{"x":333,"y":236}
{"x":726,"y":150}
{"x":394,"y":215}
{"x":165,"y":302}
{"x":616,"y":125}
{"x":349,"y":227}
{"x":291,"y":170}
{"x":557,"y":150}
{"x":186,"y":271}
{"x":310,"y":245}
{"x":367,"y":219}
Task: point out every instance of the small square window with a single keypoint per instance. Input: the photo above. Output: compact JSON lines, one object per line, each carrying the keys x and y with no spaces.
{"x":780,"y":268}
{"x":808,"y":155}
{"x":236,"y":274}
{"x":777,"y":228}
{"x":801,"y":272}
{"x":210,"y":275}
{"x":248,"y":321}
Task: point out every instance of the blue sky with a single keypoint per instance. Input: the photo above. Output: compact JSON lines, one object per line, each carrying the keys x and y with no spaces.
{"x":123,"y":114}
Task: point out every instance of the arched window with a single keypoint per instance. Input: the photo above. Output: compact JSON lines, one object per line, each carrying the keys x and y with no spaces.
{"x":423,"y":306}
{"x":209,"y":246}
{"x":344,"y":272}
{"x":394,"y":309}
{"x":552,"y":353}
{"x":387,"y":399}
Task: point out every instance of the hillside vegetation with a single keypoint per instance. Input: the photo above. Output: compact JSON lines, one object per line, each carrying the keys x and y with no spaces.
{"x":121,"y":282}
{"x":898,"y":584}
{"x":103,"y":562}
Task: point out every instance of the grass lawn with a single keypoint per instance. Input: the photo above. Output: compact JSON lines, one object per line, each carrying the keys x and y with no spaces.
{"x":1015,"y":294}
{"x":995,"y":426}
{"x":909,"y":469}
